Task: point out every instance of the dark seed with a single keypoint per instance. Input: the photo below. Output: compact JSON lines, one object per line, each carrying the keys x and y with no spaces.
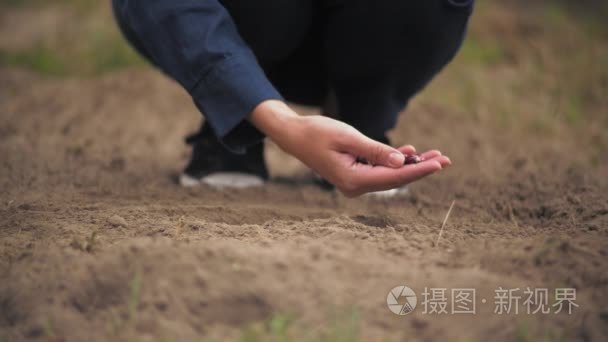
{"x":362,"y":160}
{"x":413,"y":159}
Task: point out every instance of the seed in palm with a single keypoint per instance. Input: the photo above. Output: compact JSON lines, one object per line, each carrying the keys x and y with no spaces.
{"x":412,"y":159}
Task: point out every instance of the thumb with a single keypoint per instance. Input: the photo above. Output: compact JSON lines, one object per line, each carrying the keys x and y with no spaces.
{"x":377,"y":153}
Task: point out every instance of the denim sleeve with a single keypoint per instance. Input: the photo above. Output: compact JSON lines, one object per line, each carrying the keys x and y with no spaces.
{"x":197,"y":43}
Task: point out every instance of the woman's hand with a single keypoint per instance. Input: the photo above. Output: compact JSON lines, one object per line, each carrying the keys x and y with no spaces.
{"x":331,"y":148}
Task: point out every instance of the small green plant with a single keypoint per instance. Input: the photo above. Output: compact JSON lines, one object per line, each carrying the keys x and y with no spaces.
{"x":277,"y":329}
{"x":134,"y":295}
{"x":531,"y":330}
{"x":342,"y":326}
{"x":84,"y":5}
{"x":574,"y":110}
{"x":115,"y":324}
{"x":90,"y":243}
{"x":95,"y":48}
{"x":279,"y":326}
{"x":49,"y":330}
{"x":523,"y":332}
{"x":38,"y":58}
{"x":475,"y":51}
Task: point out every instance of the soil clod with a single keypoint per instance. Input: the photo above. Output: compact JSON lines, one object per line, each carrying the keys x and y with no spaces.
{"x":117,"y":221}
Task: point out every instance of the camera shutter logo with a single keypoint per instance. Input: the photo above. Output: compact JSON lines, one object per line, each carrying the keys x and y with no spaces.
{"x":407,"y":297}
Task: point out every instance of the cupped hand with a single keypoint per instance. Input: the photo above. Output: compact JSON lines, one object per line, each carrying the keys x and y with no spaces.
{"x":334,"y":150}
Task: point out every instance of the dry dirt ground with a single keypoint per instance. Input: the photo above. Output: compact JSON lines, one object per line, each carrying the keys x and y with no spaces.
{"x":97,"y":242}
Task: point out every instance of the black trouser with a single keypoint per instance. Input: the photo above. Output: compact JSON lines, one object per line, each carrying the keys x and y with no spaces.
{"x":373,"y":55}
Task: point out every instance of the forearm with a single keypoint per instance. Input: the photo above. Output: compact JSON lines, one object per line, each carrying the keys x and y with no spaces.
{"x":197,"y":44}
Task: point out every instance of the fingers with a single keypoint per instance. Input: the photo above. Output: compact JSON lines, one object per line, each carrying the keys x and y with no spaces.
{"x":407,"y":149}
{"x":385,"y":169}
{"x":443,"y":160}
{"x":374,"y":152}
{"x":368,"y":179}
{"x":436,"y":155}
{"x":428,"y":155}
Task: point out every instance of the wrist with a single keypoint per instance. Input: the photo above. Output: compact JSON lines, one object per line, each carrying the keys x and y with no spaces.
{"x":276,"y":120}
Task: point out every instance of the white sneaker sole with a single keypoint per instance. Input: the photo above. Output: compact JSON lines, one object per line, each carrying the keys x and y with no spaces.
{"x":223,"y":180}
{"x":403,"y":191}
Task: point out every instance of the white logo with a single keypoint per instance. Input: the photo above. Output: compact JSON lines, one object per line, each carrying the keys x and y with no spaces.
{"x":392,"y":300}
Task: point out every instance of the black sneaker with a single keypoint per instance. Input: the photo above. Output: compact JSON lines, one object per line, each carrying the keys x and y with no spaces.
{"x":212,"y":164}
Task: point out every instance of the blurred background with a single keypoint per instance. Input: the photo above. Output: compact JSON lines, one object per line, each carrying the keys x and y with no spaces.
{"x":533,"y":64}
{"x":90,"y":131}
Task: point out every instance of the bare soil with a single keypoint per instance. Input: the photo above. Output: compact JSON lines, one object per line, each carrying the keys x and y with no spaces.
{"x":98,"y":242}
{"x":184,"y":263}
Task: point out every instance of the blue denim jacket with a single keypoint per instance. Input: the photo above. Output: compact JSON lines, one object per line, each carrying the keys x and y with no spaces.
{"x":197,"y":43}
